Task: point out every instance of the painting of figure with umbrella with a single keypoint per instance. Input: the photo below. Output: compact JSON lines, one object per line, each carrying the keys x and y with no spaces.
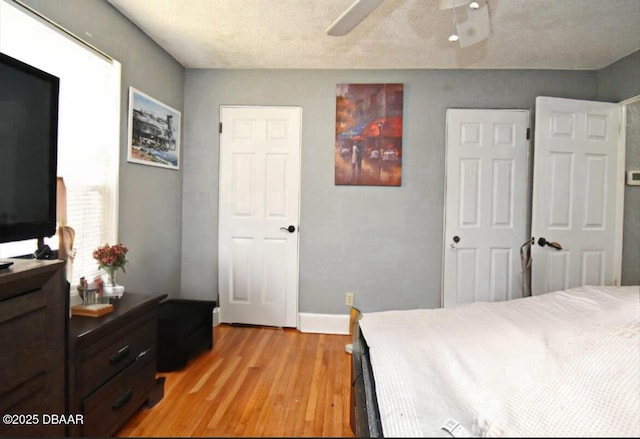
{"x":368,"y":146}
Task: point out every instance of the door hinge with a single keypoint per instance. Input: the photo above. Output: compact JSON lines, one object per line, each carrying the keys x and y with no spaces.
{"x":528,"y":133}
{"x":220,"y":128}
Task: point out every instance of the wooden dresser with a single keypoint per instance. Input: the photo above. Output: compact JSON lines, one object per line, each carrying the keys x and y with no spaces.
{"x":112,"y":364}
{"x":34,"y":311}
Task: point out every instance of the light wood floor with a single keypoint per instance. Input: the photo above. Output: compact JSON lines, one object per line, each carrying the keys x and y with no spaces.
{"x":255,"y":382}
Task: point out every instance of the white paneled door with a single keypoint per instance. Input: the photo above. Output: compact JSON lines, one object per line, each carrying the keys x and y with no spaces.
{"x":486,"y":204}
{"x":577,"y":194}
{"x":259,"y":215}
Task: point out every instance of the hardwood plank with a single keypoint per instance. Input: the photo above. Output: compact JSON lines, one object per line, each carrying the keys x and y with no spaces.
{"x":255,"y":382}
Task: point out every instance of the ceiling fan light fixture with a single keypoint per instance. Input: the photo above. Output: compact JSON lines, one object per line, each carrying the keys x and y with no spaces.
{"x":474,"y":5}
{"x":473,"y":25}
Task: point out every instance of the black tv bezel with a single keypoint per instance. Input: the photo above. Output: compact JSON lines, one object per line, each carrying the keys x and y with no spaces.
{"x":46,"y":228}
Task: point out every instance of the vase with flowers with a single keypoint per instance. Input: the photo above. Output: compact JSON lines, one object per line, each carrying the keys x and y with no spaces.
{"x":111,"y":258}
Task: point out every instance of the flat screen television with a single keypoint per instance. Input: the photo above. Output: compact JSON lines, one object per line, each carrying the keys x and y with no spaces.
{"x":28,"y":151}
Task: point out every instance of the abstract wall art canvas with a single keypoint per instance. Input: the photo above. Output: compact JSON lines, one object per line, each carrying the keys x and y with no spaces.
{"x":368,"y":136}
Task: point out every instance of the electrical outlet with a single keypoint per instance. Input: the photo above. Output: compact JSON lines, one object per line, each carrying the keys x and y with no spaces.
{"x":348,"y":300}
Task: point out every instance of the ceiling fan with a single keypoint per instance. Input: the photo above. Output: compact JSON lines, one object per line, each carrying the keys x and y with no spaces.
{"x":469,"y":22}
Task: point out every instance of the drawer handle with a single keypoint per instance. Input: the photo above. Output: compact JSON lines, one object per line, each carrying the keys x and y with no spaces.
{"x":126,"y":396}
{"x":143,"y":353}
{"x":119,"y":356}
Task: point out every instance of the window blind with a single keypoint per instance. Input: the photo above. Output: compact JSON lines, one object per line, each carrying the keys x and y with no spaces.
{"x":88,"y":131}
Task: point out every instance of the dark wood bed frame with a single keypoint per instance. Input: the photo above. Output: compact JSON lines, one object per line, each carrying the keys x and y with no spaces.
{"x":365,"y":414}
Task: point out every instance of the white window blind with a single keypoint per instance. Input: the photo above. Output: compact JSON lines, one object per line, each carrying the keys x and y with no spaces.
{"x":88,"y":131}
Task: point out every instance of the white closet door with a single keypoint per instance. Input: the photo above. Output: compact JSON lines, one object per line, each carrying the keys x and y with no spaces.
{"x":577,"y":194}
{"x":486,"y":204}
{"x":259,"y":215}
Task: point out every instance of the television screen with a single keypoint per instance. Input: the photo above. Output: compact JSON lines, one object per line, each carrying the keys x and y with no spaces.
{"x":28,"y":151}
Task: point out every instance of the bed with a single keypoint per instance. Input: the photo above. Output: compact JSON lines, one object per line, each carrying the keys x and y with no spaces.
{"x":565,"y":363}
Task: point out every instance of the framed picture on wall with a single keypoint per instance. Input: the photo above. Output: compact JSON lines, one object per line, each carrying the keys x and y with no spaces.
{"x":368,"y":142}
{"x":154,"y":132}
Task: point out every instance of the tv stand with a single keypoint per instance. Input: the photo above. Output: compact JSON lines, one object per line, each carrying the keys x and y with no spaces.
{"x":40,"y":254}
{"x":43,"y":252}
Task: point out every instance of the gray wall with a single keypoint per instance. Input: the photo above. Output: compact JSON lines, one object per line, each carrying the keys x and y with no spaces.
{"x":618,"y":82}
{"x":631,"y":230}
{"x":150,"y":201}
{"x":383,"y":243}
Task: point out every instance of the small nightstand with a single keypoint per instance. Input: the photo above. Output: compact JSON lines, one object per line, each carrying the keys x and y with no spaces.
{"x":112,"y":364}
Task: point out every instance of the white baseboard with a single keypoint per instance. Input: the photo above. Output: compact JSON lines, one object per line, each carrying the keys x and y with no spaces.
{"x":309,"y":322}
{"x":323,"y":323}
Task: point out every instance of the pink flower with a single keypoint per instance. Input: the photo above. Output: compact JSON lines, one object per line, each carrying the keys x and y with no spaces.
{"x":111,"y":256}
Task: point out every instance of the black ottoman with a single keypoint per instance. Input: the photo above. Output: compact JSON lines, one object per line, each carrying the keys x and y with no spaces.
{"x":185,"y":328}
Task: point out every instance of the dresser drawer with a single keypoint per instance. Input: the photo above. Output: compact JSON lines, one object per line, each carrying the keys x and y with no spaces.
{"x":23,"y":339}
{"x":105,"y":358}
{"x":109,"y":407}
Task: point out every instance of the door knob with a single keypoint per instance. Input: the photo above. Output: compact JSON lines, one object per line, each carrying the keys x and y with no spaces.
{"x":543,"y":242}
{"x":289,"y":229}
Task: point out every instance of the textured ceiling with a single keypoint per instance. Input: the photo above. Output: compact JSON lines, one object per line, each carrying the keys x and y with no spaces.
{"x":399,"y":34}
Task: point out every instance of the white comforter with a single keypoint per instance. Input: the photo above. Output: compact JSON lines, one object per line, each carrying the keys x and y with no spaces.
{"x":565,"y":363}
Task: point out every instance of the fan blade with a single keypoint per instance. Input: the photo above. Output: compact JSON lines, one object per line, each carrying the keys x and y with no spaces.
{"x":474,"y":26}
{"x":350,"y":18}
{"x":448,"y":4}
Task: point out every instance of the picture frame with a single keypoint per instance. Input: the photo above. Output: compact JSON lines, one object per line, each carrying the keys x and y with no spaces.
{"x":154,"y":132}
{"x":368,"y":134}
